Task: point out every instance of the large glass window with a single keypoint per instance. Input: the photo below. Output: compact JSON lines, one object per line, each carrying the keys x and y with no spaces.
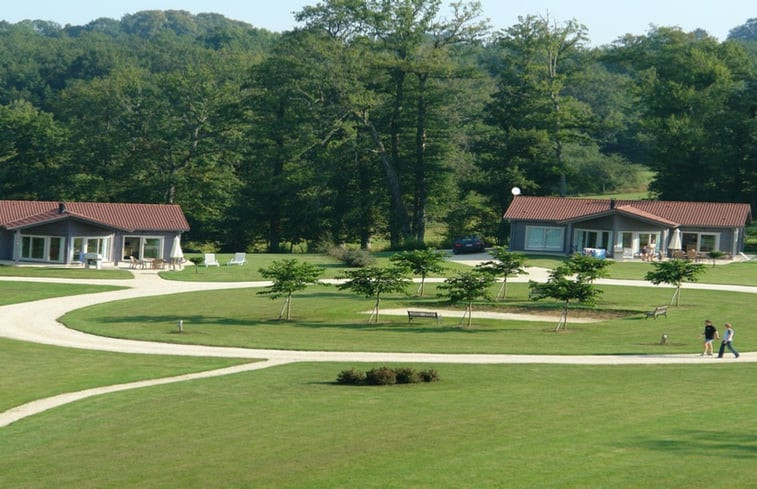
{"x":592,"y":239}
{"x":151,"y":248}
{"x":42,"y":248}
{"x":544,"y":238}
{"x":143,"y":247}
{"x":83,"y":245}
{"x":701,"y":242}
{"x":708,"y":242}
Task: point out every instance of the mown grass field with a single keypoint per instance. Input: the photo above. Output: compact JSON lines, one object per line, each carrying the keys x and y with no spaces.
{"x":485,"y":426}
{"x":325,"y":318}
{"x":518,"y":426}
{"x":14,"y":292}
{"x":32,"y":371}
{"x":61,"y":272}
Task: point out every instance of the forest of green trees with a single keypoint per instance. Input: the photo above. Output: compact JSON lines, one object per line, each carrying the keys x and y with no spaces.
{"x":371,"y":120}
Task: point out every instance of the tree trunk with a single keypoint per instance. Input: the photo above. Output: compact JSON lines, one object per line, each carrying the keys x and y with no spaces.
{"x":398,"y":218}
{"x":421,"y":192}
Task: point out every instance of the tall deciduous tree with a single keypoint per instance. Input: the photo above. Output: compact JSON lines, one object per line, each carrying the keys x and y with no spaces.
{"x":698,"y":113}
{"x":412,"y":53}
{"x":533,"y":107}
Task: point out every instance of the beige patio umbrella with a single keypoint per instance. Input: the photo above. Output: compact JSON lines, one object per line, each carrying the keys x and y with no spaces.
{"x":675,"y":240}
{"x":177,"y":255}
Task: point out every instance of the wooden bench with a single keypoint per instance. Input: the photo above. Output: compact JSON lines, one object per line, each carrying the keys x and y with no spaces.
{"x":422,"y":314}
{"x":658,"y":311}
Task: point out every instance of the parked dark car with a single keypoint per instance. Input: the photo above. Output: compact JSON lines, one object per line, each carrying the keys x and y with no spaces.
{"x":467,"y":244}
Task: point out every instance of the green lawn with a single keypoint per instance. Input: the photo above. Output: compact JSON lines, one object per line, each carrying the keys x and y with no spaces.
{"x":15,"y":292}
{"x":503,"y":426}
{"x":517,"y":426}
{"x":32,"y":371}
{"x":325,"y":318}
{"x":58,"y":272}
{"x":255,"y":261}
{"x":737,"y":273}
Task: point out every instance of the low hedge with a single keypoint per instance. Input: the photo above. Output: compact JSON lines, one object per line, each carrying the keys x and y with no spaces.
{"x":386,"y":376}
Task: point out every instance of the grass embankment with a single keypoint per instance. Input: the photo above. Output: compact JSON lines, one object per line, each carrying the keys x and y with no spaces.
{"x":519,"y":426}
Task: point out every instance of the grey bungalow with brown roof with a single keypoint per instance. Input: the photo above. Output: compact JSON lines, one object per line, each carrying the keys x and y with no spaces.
{"x":624,"y":227}
{"x":64,"y":232}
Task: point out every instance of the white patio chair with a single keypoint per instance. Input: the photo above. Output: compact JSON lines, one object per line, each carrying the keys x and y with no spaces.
{"x":239,"y":259}
{"x":210,"y":260}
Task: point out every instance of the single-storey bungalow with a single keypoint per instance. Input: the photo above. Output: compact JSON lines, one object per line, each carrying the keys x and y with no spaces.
{"x":69,"y":232}
{"x":622,"y":228}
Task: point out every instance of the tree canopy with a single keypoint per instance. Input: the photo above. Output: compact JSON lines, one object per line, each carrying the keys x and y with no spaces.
{"x":371,"y":120}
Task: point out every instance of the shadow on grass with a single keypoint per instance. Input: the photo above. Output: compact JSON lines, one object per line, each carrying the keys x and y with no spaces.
{"x":697,"y":442}
{"x":383,"y":326}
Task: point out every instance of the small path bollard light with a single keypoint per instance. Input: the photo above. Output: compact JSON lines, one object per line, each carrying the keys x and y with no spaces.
{"x":181,"y":325}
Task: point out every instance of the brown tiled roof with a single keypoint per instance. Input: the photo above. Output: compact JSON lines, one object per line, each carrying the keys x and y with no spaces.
{"x":668,"y":212}
{"x":127,"y":217}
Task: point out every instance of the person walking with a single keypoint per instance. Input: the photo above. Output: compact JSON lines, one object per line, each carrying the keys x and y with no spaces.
{"x":727,"y":341}
{"x":710,"y":334}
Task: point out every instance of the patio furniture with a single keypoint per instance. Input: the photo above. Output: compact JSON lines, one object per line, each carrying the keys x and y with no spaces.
{"x":210,"y":260}
{"x":239,"y":259}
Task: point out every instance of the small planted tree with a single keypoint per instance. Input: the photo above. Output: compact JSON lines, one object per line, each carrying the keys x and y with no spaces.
{"x":467,"y":287}
{"x":675,"y":272}
{"x":566,"y":286}
{"x":587,"y":267}
{"x":288,"y":277}
{"x":715,"y":255}
{"x":372,"y":282}
{"x":420,"y":262}
{"x":197,"y":260}
{"x":508,"y":263}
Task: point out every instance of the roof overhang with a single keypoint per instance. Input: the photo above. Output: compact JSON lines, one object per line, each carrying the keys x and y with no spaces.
{"x":55,"y":216}
{"x":628,"y":211}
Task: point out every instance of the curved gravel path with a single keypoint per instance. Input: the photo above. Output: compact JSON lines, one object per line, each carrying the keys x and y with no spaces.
{"x":37,"y":322}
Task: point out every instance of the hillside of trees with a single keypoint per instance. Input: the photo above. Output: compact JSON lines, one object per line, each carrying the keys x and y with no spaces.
{"x":371,"y":120}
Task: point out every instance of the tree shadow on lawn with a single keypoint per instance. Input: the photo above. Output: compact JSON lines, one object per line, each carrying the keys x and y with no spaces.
{"x":394,"y":327}
{"x":698,"y":442}
{"x":384,"y":325}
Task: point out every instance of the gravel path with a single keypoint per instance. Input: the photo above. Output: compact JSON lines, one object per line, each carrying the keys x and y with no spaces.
{"x":37,"y":322}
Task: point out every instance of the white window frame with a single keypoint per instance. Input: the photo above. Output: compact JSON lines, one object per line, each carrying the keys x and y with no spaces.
{"x":46,"y":248}
{"x":636,"y":239}
{"x":544,"y":230}
{"x":580,"y":242}
{"x":716,"y":246}
{"x":142,"y":240}
{"x":103,"y":246}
